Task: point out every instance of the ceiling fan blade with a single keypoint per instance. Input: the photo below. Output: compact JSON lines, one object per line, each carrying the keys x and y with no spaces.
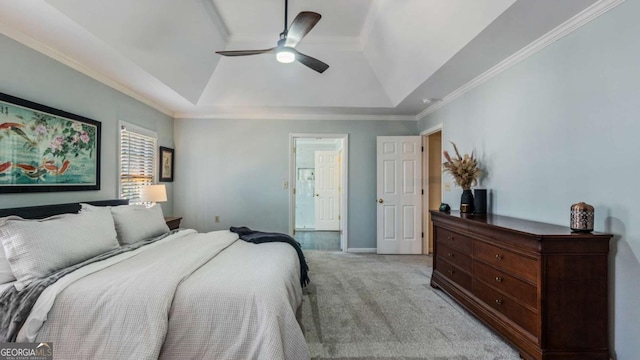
{"x":301,"y":25}
{"x":245,"y":52}
{"x":310,"y":62}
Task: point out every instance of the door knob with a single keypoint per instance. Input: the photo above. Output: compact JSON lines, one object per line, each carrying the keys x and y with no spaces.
{"x":380,"y":201}
{"x":317,"y":194}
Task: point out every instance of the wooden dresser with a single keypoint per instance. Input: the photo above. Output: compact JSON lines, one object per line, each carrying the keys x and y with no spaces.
{"x":540,"y":286}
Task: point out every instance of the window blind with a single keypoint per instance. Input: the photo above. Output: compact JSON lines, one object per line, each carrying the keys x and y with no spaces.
{"x":137,"y":163}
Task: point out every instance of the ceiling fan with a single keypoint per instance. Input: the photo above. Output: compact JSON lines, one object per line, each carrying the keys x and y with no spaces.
{"x":285,"y":50}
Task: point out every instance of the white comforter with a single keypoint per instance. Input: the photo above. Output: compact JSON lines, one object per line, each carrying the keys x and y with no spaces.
{"x":189,"y":296}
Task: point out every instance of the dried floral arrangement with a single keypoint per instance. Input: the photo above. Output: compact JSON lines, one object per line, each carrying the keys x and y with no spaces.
{"x":464,"y":169}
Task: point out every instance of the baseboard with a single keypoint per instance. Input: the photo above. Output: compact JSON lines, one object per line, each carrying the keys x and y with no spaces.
{"x":362,"y":250}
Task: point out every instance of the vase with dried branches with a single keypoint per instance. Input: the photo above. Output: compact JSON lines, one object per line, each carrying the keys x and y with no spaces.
{"x":465,"y":172}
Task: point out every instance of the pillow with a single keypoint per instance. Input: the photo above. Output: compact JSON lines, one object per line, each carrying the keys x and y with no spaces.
{"x":6,"y":275}
{"x":36,"y":248}
{"x":84,"y":207}
{"x":137,"y":222}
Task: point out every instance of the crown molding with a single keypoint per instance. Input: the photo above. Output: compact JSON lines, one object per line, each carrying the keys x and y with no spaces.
{"x":27,"y":40}
{"x":569,"y":26}
{"x":275,"y":116}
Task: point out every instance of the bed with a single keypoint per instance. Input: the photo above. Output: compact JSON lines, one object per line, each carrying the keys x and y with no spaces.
{"x":178,"y":295}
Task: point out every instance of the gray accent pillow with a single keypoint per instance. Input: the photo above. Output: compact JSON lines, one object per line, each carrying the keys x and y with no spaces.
{"x":37,"y":248}
{"x":137,"y":222}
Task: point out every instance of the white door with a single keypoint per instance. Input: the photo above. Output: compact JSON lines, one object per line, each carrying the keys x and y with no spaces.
{"x":399,"y":202}
{"x":327,"y":203}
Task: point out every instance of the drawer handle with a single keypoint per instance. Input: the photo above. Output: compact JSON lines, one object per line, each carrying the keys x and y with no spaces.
{"x":450,"y":271}
{"x":498,"y":279}
{"x":499,"y":257}
{"x":498,"y":302}
{"x":451,"y":255}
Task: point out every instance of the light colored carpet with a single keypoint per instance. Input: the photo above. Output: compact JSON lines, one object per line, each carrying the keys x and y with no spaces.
{"x":366,"y":306}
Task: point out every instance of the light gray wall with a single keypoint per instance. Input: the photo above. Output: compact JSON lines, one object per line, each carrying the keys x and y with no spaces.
{"x":563,"y":127}
{"x":235,"y":169}
{"x":27,"y":74}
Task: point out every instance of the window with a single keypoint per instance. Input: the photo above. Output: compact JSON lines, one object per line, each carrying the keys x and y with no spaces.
{"x":137,"y":160}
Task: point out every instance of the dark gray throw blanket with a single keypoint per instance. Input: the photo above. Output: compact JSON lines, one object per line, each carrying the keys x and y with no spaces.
{"x":15,"y":306}
{"x":259,"y":237}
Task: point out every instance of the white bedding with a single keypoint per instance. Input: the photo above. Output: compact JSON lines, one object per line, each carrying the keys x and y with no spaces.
{"x":42,"y":307}
{"x":4,"y":287}
{"x":189,"y":296}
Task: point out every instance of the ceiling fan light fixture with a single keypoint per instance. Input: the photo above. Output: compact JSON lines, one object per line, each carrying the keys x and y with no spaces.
{"x":285,"y":56}
{"x":290,"y":37}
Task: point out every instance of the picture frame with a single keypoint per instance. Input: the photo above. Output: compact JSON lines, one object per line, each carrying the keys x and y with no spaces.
{"x":167,"y":163}
{"x":43,"y":149}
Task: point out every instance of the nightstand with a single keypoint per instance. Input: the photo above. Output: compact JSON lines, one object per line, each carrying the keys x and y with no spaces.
{"x":173,"y":222}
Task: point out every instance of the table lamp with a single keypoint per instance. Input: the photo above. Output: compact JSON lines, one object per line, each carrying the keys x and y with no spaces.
{"x":153,"y":194}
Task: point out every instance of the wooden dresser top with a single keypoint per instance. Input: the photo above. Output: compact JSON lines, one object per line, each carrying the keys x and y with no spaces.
{"x":522,"y":226}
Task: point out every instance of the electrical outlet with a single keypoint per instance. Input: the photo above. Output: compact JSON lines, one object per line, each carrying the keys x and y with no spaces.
{"x":217,"y":218}
{"x":447,"y":186}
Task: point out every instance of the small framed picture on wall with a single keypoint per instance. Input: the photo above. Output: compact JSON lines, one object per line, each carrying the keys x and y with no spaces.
{"x":166,"y":164}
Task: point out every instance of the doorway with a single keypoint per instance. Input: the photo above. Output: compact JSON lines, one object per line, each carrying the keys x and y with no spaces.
{"x":432,"y":181}
{"x":318,"y":196}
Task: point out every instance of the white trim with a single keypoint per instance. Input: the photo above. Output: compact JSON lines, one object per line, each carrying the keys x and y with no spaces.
{"x":137,"y":129}
{"x":549,"y":38}
{"x":344,"y":208}
{"x":431,"y":130}
{"x":425,"y":162}
{"x":362,"y":250}
{"x":267,"y":116}
{"x":27,"y":40}
{"x":142,"y":131}
{"x":425,"y":193}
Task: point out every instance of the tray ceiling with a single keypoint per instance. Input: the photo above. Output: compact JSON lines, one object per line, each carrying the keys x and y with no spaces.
{"x":385,"y":56}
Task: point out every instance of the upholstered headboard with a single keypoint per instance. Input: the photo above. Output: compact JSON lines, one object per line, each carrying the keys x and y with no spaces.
{"x":43,"y":211}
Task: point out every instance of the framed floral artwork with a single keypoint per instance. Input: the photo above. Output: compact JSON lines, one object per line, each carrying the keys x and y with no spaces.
{"x":166,"y":164}
{"x":46,"y":149}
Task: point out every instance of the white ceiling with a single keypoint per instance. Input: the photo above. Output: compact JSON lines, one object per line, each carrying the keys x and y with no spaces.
{"x":385,"y":56}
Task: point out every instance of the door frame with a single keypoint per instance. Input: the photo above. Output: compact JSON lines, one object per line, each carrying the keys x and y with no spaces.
{"x":425,"y":181}
{"x":344,"y":180}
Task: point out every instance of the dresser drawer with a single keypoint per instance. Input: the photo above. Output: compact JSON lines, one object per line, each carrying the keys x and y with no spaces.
{"x":509,"y":262}
{"x":517,"y":313}
{"x":506,"y":283}
{"x":455,"y":257}
{"x":454,"y":274}
{"x":453,"y":240}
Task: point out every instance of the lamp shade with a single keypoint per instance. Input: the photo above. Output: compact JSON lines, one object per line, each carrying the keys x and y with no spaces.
{"x":153,"y":193}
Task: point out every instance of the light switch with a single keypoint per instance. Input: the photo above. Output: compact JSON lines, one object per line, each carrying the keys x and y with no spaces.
{"x":285,"y":184}
{"x":447,"y":186}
